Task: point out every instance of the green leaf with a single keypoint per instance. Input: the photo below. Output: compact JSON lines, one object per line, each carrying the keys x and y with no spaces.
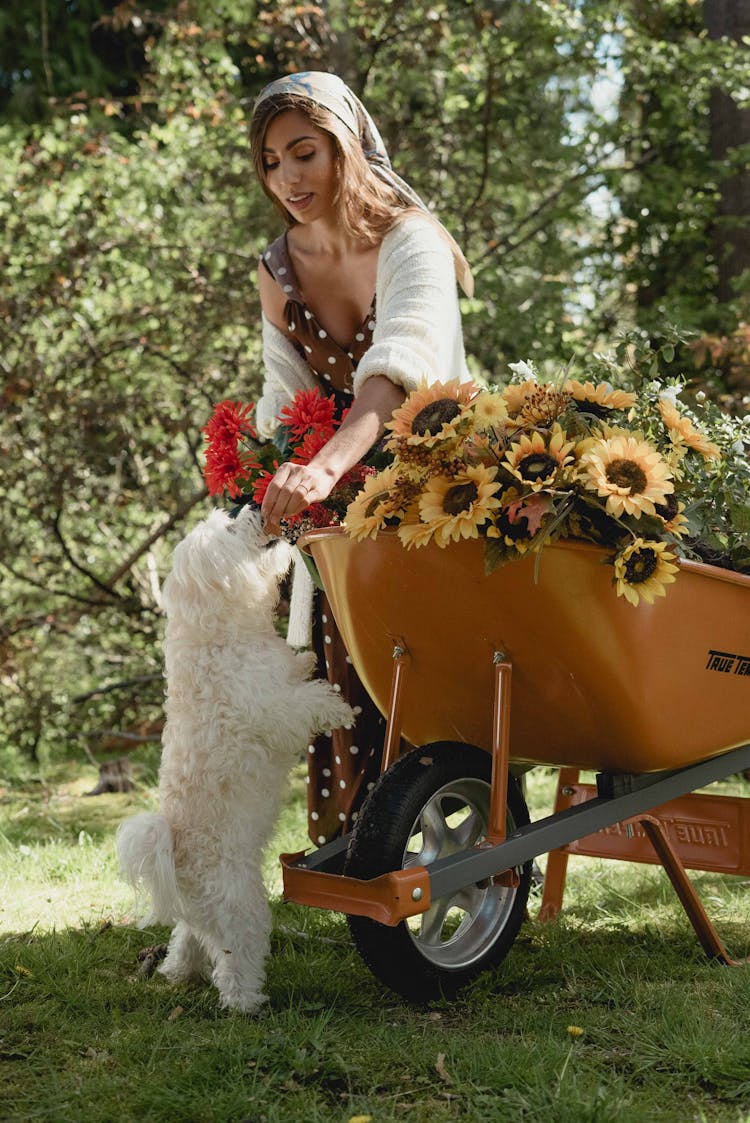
{"x":739,"y":514}
{"x":496,"y":553}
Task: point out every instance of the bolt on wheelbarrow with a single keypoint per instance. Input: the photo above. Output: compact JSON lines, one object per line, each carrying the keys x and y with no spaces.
{"x":484,"y":676}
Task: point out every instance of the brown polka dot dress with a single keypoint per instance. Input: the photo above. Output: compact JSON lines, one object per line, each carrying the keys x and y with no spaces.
{"x":341,"y":767}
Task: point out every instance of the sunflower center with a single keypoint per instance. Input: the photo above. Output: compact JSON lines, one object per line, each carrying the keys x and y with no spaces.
{"x":668,"y":509}
{"x":640,"y":566}
{"x":595,"y":409}
{"x":627,"y":474}
{"x":460,"y":498}
{"x":432,"y":417}
{"x":537,"y":466}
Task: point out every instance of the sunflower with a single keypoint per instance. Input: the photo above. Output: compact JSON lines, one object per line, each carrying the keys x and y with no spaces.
{"x":642,"y":569}
{"x":599,"y":398}
{"x":630,"y":472}
{"x":536,"y":460}
{"x":374,"y":505}
{"x":682,"y":431}
{"x":516,"y":394}
{"x":430,"y":414}
{"x":415,"y":534}
{"x":489,"y":410}
{"x":456,"y":506}
{"x":671,"y":512}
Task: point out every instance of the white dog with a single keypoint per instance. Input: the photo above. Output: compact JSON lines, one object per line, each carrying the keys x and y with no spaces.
{"x":240,"y":711}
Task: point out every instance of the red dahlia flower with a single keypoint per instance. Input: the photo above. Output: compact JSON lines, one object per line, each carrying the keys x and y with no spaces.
{"x":225,"y":466}
{"x":230,"y":421}
{"x":309,"y":410}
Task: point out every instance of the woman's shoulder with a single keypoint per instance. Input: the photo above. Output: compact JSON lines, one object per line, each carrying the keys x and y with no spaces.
{"x":413,"y":233}
{"x":274,"y":256}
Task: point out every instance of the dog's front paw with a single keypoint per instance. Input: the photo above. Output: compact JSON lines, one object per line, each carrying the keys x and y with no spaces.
{"x":243,"y":1001}
{"x":338,"y":714}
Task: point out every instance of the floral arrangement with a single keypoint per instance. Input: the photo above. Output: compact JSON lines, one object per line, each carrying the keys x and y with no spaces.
{"x":240,"y":466}
{"x":640,"y":473}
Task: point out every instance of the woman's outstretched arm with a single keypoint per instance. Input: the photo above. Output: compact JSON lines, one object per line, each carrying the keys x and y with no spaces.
{"x":295,"y":486}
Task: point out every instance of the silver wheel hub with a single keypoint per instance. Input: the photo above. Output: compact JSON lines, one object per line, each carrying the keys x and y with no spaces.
{"x":460,"y":928}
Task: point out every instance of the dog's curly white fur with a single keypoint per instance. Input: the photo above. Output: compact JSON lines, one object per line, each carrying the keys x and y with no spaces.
{"x":240,"y":710}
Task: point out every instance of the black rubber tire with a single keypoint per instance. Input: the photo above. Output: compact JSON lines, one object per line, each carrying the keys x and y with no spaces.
{"x":404,"y":957}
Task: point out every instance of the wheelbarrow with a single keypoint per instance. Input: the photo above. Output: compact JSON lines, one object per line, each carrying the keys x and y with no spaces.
{"x":481,"y":677}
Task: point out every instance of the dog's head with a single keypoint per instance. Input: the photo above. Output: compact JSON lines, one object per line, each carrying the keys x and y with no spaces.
{"x":226,"y":568}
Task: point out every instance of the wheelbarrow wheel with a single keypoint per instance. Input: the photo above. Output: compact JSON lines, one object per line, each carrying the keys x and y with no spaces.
{"x":433,"y":802}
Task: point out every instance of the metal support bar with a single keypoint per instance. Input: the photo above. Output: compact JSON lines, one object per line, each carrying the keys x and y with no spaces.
{"x":500,"y":752}
{"x":449,"y":874}
{"x":328,"y":858}
{"x":392,"y":743}
{"x":389,"y":899}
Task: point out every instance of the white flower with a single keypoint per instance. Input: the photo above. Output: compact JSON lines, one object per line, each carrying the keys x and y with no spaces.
{"x":670,"y":394}
{"x":523,"y":370}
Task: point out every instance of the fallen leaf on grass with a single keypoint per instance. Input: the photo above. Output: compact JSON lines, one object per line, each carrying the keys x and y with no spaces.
{"x":174,"y":1014}
{"x":360,"y":1119}
{"x":149,"y":959}
{"x":94,"y":1054}
{"x":441,"y":1070}
{"x":21,"y":970}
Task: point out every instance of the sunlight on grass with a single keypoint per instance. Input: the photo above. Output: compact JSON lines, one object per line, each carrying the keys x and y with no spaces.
{"x":611,"y":1014}
{"x":58,"y":866}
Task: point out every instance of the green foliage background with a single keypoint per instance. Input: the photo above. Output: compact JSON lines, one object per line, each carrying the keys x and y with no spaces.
{"x":565,"y":142}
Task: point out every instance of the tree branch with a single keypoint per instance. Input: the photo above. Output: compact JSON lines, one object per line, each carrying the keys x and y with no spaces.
{"x":96,"y":581}
{"x":160,"y":531}
{"x":123,"y":684}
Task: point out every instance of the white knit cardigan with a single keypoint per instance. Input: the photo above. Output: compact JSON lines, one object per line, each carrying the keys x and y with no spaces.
{"x":417,"y":337}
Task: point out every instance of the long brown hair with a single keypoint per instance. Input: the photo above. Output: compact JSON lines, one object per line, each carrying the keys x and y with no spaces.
{"x":367,"y":207}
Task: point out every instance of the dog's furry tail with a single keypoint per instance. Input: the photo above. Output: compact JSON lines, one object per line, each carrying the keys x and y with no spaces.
{"x":146,"y":855}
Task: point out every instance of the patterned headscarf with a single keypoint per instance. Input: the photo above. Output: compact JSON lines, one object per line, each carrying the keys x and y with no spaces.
{"x":329,"y":91}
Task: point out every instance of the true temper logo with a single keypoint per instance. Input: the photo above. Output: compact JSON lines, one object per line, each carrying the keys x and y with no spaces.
{"x":727,"y":663}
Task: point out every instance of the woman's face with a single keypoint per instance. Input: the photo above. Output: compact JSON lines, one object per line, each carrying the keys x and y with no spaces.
{"x":300,"y":166}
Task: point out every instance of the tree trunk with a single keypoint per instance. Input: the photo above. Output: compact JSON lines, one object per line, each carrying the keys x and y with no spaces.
{"x":730,"y":127}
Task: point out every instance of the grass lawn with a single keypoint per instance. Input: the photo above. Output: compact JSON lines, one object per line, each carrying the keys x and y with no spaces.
{"x":85,"y":1039}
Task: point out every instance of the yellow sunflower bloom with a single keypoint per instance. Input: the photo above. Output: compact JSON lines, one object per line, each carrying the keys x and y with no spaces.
{"x":630,"y":472}
{"x":456,"y":506}
{"x":374,"y":505}
{"x":642,"y":570}
{"x":415,"y":534}
{"x":431,"y":414}
{"x":516,"y":394}
{"x":489,"y":410}
{"x":599,"y":397}
{"x":671,"y":512}
{"x":536,"y":460}
{"x":682,"y":431}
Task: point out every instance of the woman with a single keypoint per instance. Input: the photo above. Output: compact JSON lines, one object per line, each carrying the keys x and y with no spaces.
{"x":359,"y":298}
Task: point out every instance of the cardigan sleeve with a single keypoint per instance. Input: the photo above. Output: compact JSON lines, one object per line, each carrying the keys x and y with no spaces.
{"x":417,"y":333}
{"x":285,"y":374}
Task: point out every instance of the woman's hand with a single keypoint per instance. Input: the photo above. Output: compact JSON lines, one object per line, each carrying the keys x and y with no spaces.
{"x":294,"y":487}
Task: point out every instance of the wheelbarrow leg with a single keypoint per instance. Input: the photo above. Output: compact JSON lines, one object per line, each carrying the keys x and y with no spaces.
{"x":683,"y":887}
{"x":556,"y":872}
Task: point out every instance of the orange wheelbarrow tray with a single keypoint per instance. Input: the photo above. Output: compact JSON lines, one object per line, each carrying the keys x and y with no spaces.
{"x":653,"y":698}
